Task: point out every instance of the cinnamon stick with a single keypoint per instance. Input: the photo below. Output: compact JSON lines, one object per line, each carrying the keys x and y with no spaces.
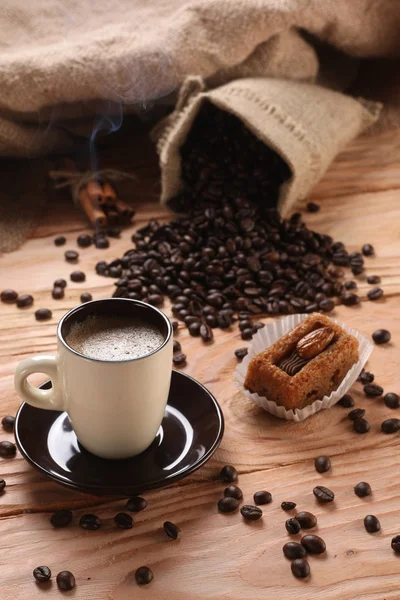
{"x":96,"y":191}
{"x":93,"y":212}
{"x":109,"y":193}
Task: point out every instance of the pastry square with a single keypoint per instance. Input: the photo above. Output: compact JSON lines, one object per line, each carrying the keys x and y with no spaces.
{"x":304,"y":365}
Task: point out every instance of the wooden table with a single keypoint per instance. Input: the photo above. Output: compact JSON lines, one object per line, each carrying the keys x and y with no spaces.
{"x":221,"y":556}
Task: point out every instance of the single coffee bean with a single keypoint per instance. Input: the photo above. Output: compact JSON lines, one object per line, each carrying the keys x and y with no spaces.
{"x":7,"y":449}
{"x":350,"y":299}
{"x":371,"y":524}
{"x":175,"y":325}
{"x":247,"y":334}
{"x":288,"y":505}
{"x":60,"y":240}
{"x":392,"y":400}
{"x":179,"y":359}
{"x":206,"y":332}
{"x":346,"y":401}
{"x":77,"y":276}
{"x":366,"y":377}
{"x":155,"y":299}
{"x":361,"y":425}
{"x":86,"y":297}
{"x":24,"y":300}
{"x":380,"y":336}
{"x":2,"y":485}
{"x":57,"y":293}
{"x":362,"y":489}
{"x":350,"y":285}
{"x":60,"y":283}
{"x":396,"y":543}
{"x":90,"y":522}
{"x":65,"y":581}
{"x":292,"y":526}
{"x":322,"y":464}
{"x":84,"y":240}
{"x":313,"y":544}
{"x":71,"y":255}
{"x":136,"y":504}
{"x":306,"y":519}
{"x":228,"y":504}
{"x":313,"y":207}
{"x":8,"y":423}
{"x":42,"y":574}
{"x":367,"y":250}
{"x":101,"y":268}
{"x":194,"y":328}
{"x":357,"y":413}
{"x":177,"y":346}
{"x":300,"y":568}
{"x":251,"y":513}
{"x":262,"y":497}
{"x":373,"y":279}
{"x":171,"y":530}
{"x":240,"y":353}
{"x":61,"y":518}
{"x":101,"y":243}
{"x":391,"y":426}
{"x":375,"y":293}
{"x":228,"y":474}
{"x":233,"y":491}
{"x":373,"y":390}
{"x":323,"y":494}
{"x":327,"y":305}
{"x":43,"y":314}
{"x":144,"y":576}
{"x":123,"y":521}
{"x":9,"y":296}
{"x":293,"y":550}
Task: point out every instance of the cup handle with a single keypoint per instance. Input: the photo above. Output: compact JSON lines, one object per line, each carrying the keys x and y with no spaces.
{"x":51,"y":399}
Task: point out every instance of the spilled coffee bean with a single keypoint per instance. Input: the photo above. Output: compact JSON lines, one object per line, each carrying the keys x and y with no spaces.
{"x":43,"y":314}
{"x":368,"y":250}
{"x":362,"y":489}
{"x":175,"y":325}
{"x":84,"y":240}
{"x":373,"y":390}
{"x":171,"y":530}
{"x":65,"y":581}
{"x":357,"y":413}
{"x":144,"y":576}
{"x":240,"y":353}
{"x":228,"y":474}
{"x":9,"y":296}
{"x":60,"y":240}
{"x":251,"y":513}
{"x":2,"y":485}
{"x":350,"y":285}
{"x":306,"y":519}
{"x":322,"y":464}
{"x":313,"y":544}
{"x":350,"y":299}
{"x":179,"y":359}
{"x":136,"y":504}
{"x":323,"y":494}
{"x":392,"y":400}
{"x":262,"y":497}
{"x":233,"y":491}
{"x":395,"y":544}
{"x":42,"y":574}
{"x":293,"y":550}
{"x":292,"y":526}
{"x":228,"y":504}
{"x":346,"y":401}
{"x":177,"y":346}
{"x":361,"y":425}
{"x":24,"y":300}
{"x":8,"y":423}
{"x":7,"y":449}
{"x":58,"y":293}
{"x":71,"y":255}
{"x":86,"y":297}
{"x":77,"y":276}
{"x":366,"y":377}
{"x":90,"y":522}
{"x":61,"y":518}
{"x":391,"y":426}
{"x":381,"y":336}
{"x":375,"y":294}
{"x":300,"y":568}
{"x":60,"y":283}
{"x":373,"y":279}
{"x":288,"y":505}
{"x":371,"y":524}
{"x":123,"y":521}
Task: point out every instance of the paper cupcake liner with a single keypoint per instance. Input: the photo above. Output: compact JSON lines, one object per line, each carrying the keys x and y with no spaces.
{"x":267,"y":336}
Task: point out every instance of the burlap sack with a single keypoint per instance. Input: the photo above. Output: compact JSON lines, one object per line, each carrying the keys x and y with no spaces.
{"x":305,"y":124}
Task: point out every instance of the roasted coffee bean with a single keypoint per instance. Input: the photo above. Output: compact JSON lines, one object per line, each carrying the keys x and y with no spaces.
{"x":7,"y":449}
{"x":228,"y":504}
{"x":350,"y":285}
{"x":179,"y":359}
{"x":8,"y":423}
{"x":346,"y":401}
{"x":373,"y":279}
{"x":357,"y":413}
{"x":175,"y":325}
{"x":228,"y":474}
{"x":361,"y":425}
{"x":24,"y":300}
{"x":373,"y":390}
{"x":177,"y":346}
{"x":240,"y":353}
{"x":306,"y":519}
{"x":144,"y":576}
{"x":322,"y":464}
{"x":323,"y":494}
{"x":380,"y":336}
{"x":206,"y":332}
{"x":262,"y":497}
{"x":313,"y":207}
{"x":84,"y":240}
{"x":60,"y":240}
{"x":194,"y":328}
{"x":367,"y":250}
{"x":327,"y":305}
{"x":9,"y":296}
{"x":77,"y":276}
{"x":101,"y":268}
{"x":114,"y":272}
{"x":395,"y":544}
{"x":57,"y":293}
{"x":366,"y":377}
{"x":247,"y":334}
{"x":60,"y":283}
{"x":101,"y":242}
{"x":233,"y":491}
{"x":300,"y":568}
{"x":61,"y":518}
{"x":155,"y":299}
{"x":71,"y":255}
{"x":251,"y":513}
{"x":350,"y":299}
{"x":90,"y":522}
{"x":136,"y":504}
{"x":171,"y":530}
{"x":65,"y":581}
{"x":2,"y":485}
{"x":123,"y":521}
{"x":391,"y":426}
{"x":371,"y":524}
{"x":392,"y":400}
{"x":292,"y":526}
{"x":313,"y":544}
{"x":362,"y":489}
{"x":43,"y":314}
{"x":293,"y":550}
{"x":288,"y":505}
{"x":42,"y":574}
{"x":375,"y":293}
{"x":86,"y":297}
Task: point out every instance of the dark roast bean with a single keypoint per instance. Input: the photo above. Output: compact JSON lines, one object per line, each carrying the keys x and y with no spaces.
{"x":366,"y":377}
{"x":84,"y":240}
{"x":65,"y":581}
{"x":179,"y":359}
{"x":90,"y":522}
{"x":136,"y":504}
{"x":392,"y":400}
{"x":155,"y":299}
{"x":61,"y":518}
{"x":177,"y":346}
{"x":60,"y":240}
{"x":240,"y":353}
{"x":380,"y":336}
{"x":8,"y":423}
{"x":322,"y":464}
{"x":123,"y":521}
{"x":350,"y":285}
{"x":327,"y":305}
{"x":24,"y":300}
{"x":101,"y":268}
{"x":247,"y":334}
{"x":346,"y":401}
{"x":2,"y":485}
{"x":262,"y":497}
{"x":101,"y":242}
{"x":300,"y":568}
{"x":373,"y":390}
{"x":9,"y":296}
{"x":42,"y":574}
{"x":86,"y":297}
{"x":228,"y":474}
{"x":362,"y":489}
{"x":144,"y":576}
{"x":395,"y":544}
{"x":367,"y":250}
{"x":375,"y":293}
{"x":357,"y":413}
{"x":371,"y":524}
{"x":71,"y":255}
{"x":292,"y":526}
{"x":43,"y":314}
{"x":288,"y":505}
{"x":361,"y":425}
{"x":323,"y":494}
{"x":228,"y":504}
{"x":306,"y":519}
{"x":233,"y":491}
{"x":293,"y":550}
{"x":194,"y":328}
{"x":313,"y":207}
{"x":251,"y":513}
{"x":7,"y":449}
{"x":175,"y":325}
{"x":171,"y":530}
{"x":373,"y":279}
{"x":77,"y":276}
{"x":57,"y":293}
{"x":206,"y":333}
{"x":391,"y":426}
{"x":313,"y":544}
{"x":350,"y":299}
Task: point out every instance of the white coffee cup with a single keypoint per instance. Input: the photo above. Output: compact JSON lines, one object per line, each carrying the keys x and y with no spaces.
{"x":115,"y":407}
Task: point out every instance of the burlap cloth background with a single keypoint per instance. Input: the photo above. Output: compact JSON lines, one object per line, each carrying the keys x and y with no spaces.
{"x":57,"y":57}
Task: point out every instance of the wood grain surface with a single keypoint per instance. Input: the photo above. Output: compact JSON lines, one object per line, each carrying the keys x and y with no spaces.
{"x":220,"y":556}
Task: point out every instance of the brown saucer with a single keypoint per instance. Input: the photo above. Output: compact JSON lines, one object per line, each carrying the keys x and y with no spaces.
{"x":190,"y":433}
